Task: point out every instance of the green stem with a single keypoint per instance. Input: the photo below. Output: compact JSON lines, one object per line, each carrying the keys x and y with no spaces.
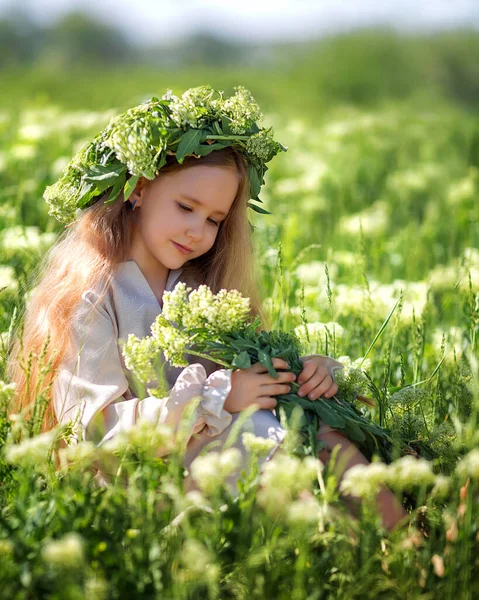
{"x":228,"y":137}
{"x":208,"y":357}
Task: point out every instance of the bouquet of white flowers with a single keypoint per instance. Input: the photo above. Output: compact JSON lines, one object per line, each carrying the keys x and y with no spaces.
{"x":220,"y":328}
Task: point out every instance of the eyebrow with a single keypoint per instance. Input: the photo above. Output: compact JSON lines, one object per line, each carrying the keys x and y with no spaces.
{"x":195,"y":201}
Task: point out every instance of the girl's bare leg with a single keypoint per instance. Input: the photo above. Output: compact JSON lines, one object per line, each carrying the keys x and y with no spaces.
{"x":349,"y":455}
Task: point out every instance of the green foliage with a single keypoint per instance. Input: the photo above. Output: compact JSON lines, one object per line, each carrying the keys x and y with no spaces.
{"x":385,"y":209}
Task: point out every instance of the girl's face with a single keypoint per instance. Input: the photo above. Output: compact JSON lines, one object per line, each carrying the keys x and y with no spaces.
{"x":181,"y":209}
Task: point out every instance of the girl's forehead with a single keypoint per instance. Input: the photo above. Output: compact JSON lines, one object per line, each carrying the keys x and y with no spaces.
{"x":212,"y":184}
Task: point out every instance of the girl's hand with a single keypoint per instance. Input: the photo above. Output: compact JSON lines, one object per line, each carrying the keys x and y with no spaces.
{"x":255,"y":386}
{"x":316,"y":379}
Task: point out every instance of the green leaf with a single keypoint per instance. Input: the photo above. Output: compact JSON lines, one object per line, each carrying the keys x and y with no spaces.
{"x":258,"y":209}
{"x":242,"y":360}
{"x":328,"y":414}
{"x":189,"y":143}
{"x":204,"y":149}
{"x":254,"y":181}
{"x":104,"y":177}
{"x":354,"y":431}
{"x":130,"y":186}
{"x":116,"y":189}
{"x":265,"y":359}
{"x":88,"y":191}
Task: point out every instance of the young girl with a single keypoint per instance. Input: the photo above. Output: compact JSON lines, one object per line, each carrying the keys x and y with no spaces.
{"x":177,"y":216}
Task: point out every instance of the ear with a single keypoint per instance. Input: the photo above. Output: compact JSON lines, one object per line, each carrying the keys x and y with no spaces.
{"x":138,"y":193}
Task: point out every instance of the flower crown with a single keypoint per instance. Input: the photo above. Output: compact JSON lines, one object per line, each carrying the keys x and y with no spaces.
{"x":137,"y":142}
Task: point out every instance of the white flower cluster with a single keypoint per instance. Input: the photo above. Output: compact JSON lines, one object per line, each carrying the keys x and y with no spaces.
{"x":233,"y":310}
{"x":217,"y":313}
{"x":224,"y":311}
{"x":155,"y":438}
{"x":32,"y":451}
{"x":81,"y":453}
{"x":210,"y":470}
{"x":257,"y":445}
{"x":201,"y":308}
{"x":62,"y":197}
{"x":262,"y":145}
{"x":195,"y":107}
{"x":242,"y":110}
{"x":468,"y":466}
{"x":352,"y":379}
{"x":410,"y":396}
{"x":130,"y":136}
{"x":282,"y":478}
{"x":138,"y":354}
{"x":174,"y":303}
{"x":172,"y":341}
{"x":66,"y":552}
{"x":366,"y":480}
{"x":7,"y":391}
{"x":8,"y":280}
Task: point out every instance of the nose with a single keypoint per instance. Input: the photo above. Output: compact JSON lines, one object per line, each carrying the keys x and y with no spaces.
{"x":195,"y":232}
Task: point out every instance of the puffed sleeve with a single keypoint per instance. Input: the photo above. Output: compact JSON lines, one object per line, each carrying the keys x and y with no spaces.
{"x":91,"y":386}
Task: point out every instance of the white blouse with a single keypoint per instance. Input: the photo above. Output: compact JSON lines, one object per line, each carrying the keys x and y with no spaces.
{"x":94,"y":386}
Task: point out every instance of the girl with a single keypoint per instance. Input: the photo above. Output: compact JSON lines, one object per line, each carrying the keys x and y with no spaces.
{"x":184,"y":220}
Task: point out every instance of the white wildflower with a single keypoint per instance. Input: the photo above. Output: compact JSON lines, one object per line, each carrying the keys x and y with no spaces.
{"x":441,"y":487}
{"x":199,"y":561}
{"x":468,"y":466}
{"x":66,"y":552}
{"x":304,"y":510}
{"x":210,"y":470}
{"x":154,"y":438}
{"x":96,"y":588}
{"x":8,"y":280}
{"x":138,"y":354}
{"x":7,"y":392}
{"x":233,"y":310}
{"x":374,"y":220}
{"x":242,"y":110}
{"x":257,"y":445}
{"x":83,"y":452}
{"x":408,"y":471}
{"x":23,"y":151}
{"x":174,"y":303}
{"x":364,"y":480}
{"x":201,"y":308}
{"x":32,"y":451}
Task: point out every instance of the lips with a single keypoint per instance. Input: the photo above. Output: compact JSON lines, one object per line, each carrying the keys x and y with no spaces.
{"x":183,"y":249}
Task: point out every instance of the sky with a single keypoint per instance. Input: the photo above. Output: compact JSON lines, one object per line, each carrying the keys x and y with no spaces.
{"x":157,"y":21}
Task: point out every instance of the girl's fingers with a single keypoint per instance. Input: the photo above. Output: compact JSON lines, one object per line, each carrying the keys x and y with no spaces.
{"x":316,"y":379}
{"x":309,"y":369}
{"x":271,"y":389}
{"x":266,"y":403}
{"x":318,"y":391}
{"x":278,"y":363}
{"x":332,"y":390}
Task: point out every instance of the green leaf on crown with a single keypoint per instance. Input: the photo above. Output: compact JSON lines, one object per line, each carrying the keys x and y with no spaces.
{"x":130,"y":186}
{"x":189,"y":143}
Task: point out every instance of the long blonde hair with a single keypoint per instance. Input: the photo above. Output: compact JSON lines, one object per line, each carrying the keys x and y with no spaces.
{"x":85,"y":257}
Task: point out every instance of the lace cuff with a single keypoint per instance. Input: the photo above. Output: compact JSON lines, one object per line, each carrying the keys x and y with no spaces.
{"x":213,"y":390}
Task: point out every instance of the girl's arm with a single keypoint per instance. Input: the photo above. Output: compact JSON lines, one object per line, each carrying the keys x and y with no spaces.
{"x":92,"y":385}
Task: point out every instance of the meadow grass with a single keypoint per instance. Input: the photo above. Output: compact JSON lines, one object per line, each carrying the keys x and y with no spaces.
{"x":371,"y":254}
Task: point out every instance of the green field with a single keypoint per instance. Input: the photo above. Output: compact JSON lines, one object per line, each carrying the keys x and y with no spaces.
{"x":376,"y":200}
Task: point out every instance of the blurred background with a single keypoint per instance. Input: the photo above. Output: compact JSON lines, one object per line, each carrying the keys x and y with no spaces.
{"x":81,"y":53}
{"x":377,"y":102}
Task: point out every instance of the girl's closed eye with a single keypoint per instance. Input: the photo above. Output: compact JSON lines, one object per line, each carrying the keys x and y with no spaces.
{"x":189,"y":209}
